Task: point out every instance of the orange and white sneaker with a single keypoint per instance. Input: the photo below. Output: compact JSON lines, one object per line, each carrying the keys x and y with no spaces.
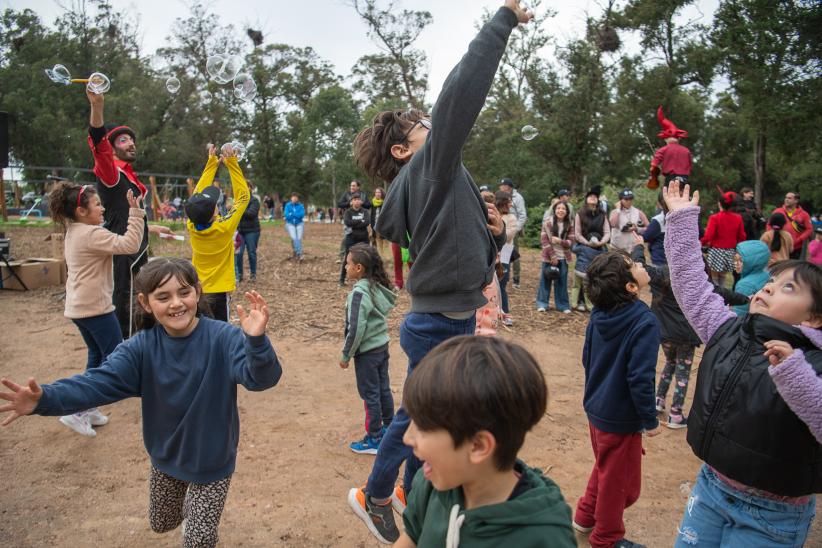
{"x":398,"y":500}
{"x":377,"y":517}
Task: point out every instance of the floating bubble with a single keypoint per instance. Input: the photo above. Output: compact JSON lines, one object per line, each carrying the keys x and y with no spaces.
{"x":59,"y":75}
{"x":98,"y":83}
{"x":245,"y":88}
{"x":239,"y":149}
{"x":226,"y":69}
{"x":215,"y":64}
{"x":173,"y":84}
{"x":206,"y":96}
{"x":529,"y":133}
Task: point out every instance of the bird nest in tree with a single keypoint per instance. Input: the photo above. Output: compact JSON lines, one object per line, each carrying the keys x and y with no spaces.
{"x":607,"y":39}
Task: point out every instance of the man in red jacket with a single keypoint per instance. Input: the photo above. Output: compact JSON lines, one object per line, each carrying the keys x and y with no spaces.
{"x":799,"y":224}
{"x":673,"y":160}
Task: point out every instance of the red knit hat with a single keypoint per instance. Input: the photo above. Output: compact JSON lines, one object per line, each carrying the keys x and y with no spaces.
{"x":669,"y":129}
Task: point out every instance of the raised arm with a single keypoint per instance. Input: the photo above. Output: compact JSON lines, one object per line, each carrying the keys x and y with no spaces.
{"x":241,"y":193}
{"x":210,"y":170}
{"x":103,"y":241}
{"x":104,"y":167}
{"x":704,"y":309}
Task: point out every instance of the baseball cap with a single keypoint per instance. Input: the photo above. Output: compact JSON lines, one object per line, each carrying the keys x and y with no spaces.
{"x":200,"y":207}
{"x":564,"y":192}
{"x":626,"y":193}
{"x":507,"y":181}
{"x":484,"y":188}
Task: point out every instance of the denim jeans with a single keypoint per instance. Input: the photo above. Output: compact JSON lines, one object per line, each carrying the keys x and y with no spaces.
{"x":102,"y":335}
{"x":250,"y":240}
{"x":503,"y":284}
{"x":560,"y":287}
{"x":374,"y":387}
{"x":419,"y":334}
{"x":296,"y":234}
{"x":719,"y":515}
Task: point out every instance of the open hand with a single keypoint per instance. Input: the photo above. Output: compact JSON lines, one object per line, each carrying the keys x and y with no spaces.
{"x":159,"y":229}
{"x":777,"y":351}
{"x":23,"y":399}
{"x":495,"y":223}
{"x":255,"y":320}
{"x":227,"y":152}
{"x":523,"y":14}
{"x":674,"y":200}
{"x":212,"y":149}
{"x":134,"y":201}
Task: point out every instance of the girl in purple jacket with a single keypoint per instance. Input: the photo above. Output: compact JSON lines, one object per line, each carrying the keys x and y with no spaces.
{"x":756,"y":418}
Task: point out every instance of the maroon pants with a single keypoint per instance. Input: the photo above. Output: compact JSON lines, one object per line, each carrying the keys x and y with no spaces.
{"x":396,"y":252}
{"x":613,"y":486}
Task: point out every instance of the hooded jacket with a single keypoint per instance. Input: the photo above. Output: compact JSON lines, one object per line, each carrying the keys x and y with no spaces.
{"x":536,"y":517}
{"x":755,"y":255}
{"x":619,"y":357}
{"x":366,"y":319}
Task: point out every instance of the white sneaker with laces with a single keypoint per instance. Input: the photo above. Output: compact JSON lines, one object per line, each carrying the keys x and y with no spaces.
{"x":96,"y":417}
{"x":79,"y":422}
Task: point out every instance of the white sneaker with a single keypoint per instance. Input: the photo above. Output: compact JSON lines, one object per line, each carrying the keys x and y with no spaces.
{"x":566,"y":311}
{"x":79,"y":422}
{"x":96,"y":418}
{"x":541,"y":309}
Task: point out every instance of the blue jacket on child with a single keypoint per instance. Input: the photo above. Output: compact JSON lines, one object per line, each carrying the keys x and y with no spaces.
{"x":755,"y":255}
{"x":619,"y":357}
{"x":294,"y":213}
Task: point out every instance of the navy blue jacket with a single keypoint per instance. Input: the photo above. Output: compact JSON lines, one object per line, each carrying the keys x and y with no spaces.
{"x":619,"y":358}
{"x":188,"y":387}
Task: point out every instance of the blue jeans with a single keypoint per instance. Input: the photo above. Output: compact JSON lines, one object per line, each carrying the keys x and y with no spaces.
{"x":560,"y":287}
{"x":419,"y":334}
{"x":102,"y":335}
{"x":296,"y":234}
{"x":250,"y":240}
{"x":374,"y":387}
{"x":503,"y":284}
{"x":719,"y":515}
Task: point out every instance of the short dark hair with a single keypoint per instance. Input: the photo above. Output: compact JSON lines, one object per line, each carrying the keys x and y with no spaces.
{"x":501,"y":198}
{"x":745,"y":190}
{"x":468,"y":384}
{"x":606,"y":278}
{"x":807,"y":274}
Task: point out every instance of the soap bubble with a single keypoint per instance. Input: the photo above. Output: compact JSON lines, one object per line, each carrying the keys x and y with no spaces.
{"x":529,"y":133}
{"x":215,"y":64}
{"x":224,"y":68}
{"x":206,"y":96}
{"x":238,"y":147}
{"x":244,"y":87}
{"x":173,"y":84}
{"x":59,"y":75}
{"x":98,"y":83}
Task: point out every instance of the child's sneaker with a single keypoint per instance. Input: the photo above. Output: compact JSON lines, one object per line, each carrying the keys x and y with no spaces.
{"x":660,"y":405}
{"x":378,"y":518}
{"x":366,"y":446}
{"x":96,"y":418}
{"x":541,"y":309}
{"x":581,"y":308}
{"x":625,"y":543}
{"x":507,"y":320}
{"x":398,"y":500}
{"x":79,"y":423}
{"x":677,"y":421}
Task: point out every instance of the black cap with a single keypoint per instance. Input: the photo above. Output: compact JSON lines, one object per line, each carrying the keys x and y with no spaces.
{"x":595,"y":190}
{"x":200,"y":207}
{"x":484,"y":188}
{"x":626,"y":193}
{"x":113,"y":130}
{"x":563,"y":192}
{"x":507,"y":181}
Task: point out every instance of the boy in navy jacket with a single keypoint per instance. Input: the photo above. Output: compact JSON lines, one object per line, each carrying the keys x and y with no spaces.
{"x":619,"y":356}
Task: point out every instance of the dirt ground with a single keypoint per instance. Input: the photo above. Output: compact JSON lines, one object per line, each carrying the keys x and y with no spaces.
{"x":294,"y":468}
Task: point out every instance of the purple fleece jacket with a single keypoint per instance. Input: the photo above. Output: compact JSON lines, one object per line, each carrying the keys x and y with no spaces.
{"x":795,"y":378}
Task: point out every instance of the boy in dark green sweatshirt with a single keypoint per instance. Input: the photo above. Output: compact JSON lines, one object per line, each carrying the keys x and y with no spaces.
{"x":471,"y":401}
{"x":434,"y":209}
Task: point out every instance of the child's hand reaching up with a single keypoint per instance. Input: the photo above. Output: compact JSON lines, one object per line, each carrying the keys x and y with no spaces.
{"x":522,"y":13}
{"x":674,"y":200}
{"x":255,"y":320}
{"x":212,"y":149}
{"x":777,"y":351}
{"x":23,"y":399}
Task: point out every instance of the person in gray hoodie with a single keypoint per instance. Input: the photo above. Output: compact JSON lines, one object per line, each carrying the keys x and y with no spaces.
{"x":433,"y":208}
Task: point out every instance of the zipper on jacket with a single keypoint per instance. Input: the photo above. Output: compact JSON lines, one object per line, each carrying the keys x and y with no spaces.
{"x":730,"y":384}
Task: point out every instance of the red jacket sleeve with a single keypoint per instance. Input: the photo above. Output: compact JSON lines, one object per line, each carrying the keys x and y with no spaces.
{"x":740,"y":230}
{"x":104,"y":167}
{"x":658,"y":156}
{"x":709,"y":232}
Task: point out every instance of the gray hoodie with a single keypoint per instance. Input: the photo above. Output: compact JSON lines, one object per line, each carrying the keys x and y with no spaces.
{"x":433,"y":206}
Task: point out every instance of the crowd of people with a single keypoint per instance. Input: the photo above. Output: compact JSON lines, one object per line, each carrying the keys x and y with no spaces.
{"x":159,"y":330}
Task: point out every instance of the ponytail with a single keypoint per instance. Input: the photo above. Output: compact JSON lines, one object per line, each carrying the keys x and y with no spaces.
{"x":370,"y":259}
{"x":66,"y":197}
{"x":777,"y":222}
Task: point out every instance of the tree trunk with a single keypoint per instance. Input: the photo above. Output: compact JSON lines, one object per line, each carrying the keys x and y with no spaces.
{"x":759,"y":166}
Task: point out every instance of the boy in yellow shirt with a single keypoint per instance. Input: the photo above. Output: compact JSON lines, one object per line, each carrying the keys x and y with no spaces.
{"x":212,"y":236}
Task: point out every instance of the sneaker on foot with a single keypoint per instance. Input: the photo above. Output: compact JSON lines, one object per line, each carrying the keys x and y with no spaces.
{"x":581,"y":529}
{"x":581,"y":308}
{"x":378,"y":518}
{"x":541,"y":309}
{"x":366,"y":446}
{"x":676,"y":422}
{"x":79,"y":423}
{"x":566,"y":311}
{"x":95,"y":417}
{"x":507,"y":320}
{"x":625,"y":543}
{"x":660,"y":405}
{"x":398,"y":500}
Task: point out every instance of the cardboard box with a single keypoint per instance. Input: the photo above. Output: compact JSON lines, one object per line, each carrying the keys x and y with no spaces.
{"x":34,"y":273}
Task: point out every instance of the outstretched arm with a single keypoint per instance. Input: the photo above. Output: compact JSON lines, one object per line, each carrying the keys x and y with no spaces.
{"x":210,"y":170}
{"x":104,"y":167}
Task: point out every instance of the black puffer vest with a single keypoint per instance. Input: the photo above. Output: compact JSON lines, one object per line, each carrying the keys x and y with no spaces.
{"x":740,"y":425}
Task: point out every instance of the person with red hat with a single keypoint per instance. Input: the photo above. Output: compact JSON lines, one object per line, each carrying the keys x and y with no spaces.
{"x":673,"y":160}
{"x":114,"y":150}
{"x":725,"y":230}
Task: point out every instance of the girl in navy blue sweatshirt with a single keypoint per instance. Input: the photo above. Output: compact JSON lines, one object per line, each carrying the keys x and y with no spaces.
{"x":186,"y":368}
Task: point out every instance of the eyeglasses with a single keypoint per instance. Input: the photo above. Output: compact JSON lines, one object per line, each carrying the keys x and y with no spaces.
{"x":424,"y":122}
{"x":80,"y":194}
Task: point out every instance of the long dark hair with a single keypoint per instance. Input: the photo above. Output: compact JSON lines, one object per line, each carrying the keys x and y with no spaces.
{"x":156,"y":273}
{"x":63,"y":200}
{"x":777,"y":222}
{"x":369,"y":258}
{"x":566,"y":223}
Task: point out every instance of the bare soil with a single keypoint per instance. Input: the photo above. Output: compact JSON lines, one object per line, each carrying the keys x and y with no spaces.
{"x":294,"y":468}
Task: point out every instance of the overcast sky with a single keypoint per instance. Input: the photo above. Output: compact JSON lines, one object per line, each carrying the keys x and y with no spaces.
{"x":334,"y":30}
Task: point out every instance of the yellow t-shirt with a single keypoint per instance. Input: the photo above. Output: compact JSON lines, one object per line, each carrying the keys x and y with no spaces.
{"x":213,"y":247}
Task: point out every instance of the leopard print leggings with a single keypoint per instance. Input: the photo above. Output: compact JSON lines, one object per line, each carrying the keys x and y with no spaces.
{"x":171,"y":501}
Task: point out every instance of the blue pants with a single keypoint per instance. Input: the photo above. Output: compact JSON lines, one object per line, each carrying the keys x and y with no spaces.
{"x":374,"y":388}
{"x":503,"y":284}
{"x":419,"y":334}
{"x":250,"y":240}
{"x":295,"y":232}
{"x":102,"y":335}
{"x":560,"y":287}
{"x":719,"y":515}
